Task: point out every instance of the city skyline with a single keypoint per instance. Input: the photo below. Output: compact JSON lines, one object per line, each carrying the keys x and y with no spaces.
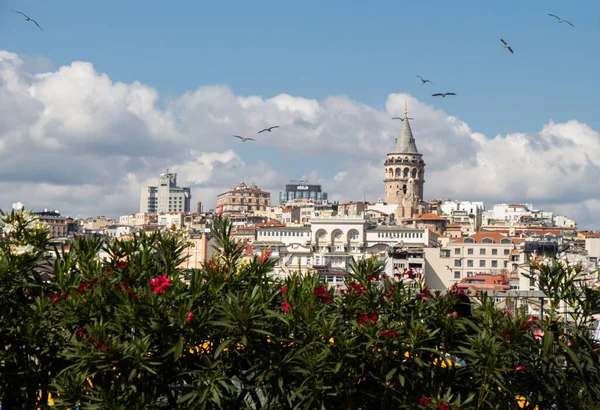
{"x":93,"y":131}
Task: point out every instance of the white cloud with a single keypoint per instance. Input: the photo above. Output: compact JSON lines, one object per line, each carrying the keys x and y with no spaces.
{"x":75,"y":140}
{"x":339,"y":177}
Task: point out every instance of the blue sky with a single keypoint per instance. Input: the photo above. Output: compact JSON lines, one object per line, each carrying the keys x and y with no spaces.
{"x":364,"y":50}
{"x":368,"y":51}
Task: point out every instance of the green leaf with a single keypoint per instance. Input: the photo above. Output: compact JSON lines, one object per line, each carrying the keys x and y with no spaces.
{"x":390,"y":374}
{"x":222,"y":346}
{"x":178,"y":349}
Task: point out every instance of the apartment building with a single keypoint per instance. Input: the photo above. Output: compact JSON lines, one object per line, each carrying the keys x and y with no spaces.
{"x":244,"y":199}
{"x":483,"y":252}
{"x":166,"y":197}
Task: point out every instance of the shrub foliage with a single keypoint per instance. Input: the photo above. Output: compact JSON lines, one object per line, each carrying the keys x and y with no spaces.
{"x":140,"y":333}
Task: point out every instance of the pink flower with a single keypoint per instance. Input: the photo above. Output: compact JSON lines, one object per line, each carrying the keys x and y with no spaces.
{"x":81,"y":287}
{"x":160,"y":284}
{"x":424,"y":401}
{"x":520,"y":368}
{"x":390,"y":333}
{"x":356,"y":288}
{"x":506,"y":336}
{"x":322,"y":293}
{"x":364,"y":319}
{"x":80,"y":333}
{"x":220,"y":210}
{"x":284,"y":290}
{"x":538,"y":333}
{"x":264,"y":256}
{"x":190,"y":317}
{"x":285,"y":307}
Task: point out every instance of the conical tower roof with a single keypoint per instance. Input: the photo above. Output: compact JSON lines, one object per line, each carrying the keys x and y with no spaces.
{"x":405,"y":143}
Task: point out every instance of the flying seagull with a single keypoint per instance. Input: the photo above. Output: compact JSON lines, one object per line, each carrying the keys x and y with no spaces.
{"x":424,"y":81}
{"x":27,"y":18}
{"x":268,"y":129}
{"x":244,"y":139}
{"x":561,"y":20}
{"x":401,"y":118}
{"x":507,"y":46}
{"x":443,"y":95}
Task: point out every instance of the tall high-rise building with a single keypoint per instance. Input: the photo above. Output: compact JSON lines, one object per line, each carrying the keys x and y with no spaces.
{"x":302,"y":190}
{"x":166,"y":197}
{"x":405,"y":173}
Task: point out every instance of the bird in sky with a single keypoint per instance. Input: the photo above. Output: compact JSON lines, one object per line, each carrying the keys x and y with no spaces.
{"x":423,"y":81}
{"x":401,"y":118}
{"x":268,"y":129}
{"x":244,"y":139}
{"x":507,"y":46}
{"x":27,"y":18}
{"x":561,"y":20}
{"x":443,"y":95}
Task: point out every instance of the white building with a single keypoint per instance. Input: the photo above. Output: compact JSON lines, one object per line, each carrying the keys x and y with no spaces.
{"x":562,"y":221}
{"x":382,"y":207}
{"x":138,"y":219}
{"x":171,"y":219}
{"x":330,"y":243}
{"x":507,"y":213}
{"x":166,"y":197}
{"x":474,"y":208}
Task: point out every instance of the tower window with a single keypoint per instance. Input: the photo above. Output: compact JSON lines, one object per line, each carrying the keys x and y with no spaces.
{"x":404,"y":189}
{"x":414,"y":173}
{"x":405,"y":172}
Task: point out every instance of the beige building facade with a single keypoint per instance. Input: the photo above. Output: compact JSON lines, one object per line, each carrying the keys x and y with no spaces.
{"x":199,"y":251}
{"x":244,"y":199}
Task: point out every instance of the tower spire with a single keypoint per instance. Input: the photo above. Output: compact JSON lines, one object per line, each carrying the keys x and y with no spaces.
{"x":405,"y":143}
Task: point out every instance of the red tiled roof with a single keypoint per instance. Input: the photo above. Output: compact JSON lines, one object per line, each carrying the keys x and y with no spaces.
{"x":429,"y":216}
{"x":479,"y":236}
{"x":496,"y":236}
{"x":588,"y":234}
{"x":269,"y":224}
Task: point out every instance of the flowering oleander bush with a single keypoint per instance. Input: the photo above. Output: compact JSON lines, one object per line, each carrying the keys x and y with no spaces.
{"x":140,"y":333}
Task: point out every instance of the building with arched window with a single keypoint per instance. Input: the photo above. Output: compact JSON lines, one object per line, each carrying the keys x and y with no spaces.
{"x":405,"y":174}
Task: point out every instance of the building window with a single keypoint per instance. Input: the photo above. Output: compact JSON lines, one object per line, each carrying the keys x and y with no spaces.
{"x":507,"y":251}
{"x":494,"y":251}
{"x":457,"y":263}
{"x":456,"y":274}
{"x":470,"y":263}
{"x":469,"y":274}
{"x":457,"y":251}
{"x":494,"y":264}
{"x":482,"y":251}
{"x":470,"y":251}
{"x":482,"y":264}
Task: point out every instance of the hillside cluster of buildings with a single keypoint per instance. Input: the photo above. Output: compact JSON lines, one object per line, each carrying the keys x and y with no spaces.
{"x":443,"y":241}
